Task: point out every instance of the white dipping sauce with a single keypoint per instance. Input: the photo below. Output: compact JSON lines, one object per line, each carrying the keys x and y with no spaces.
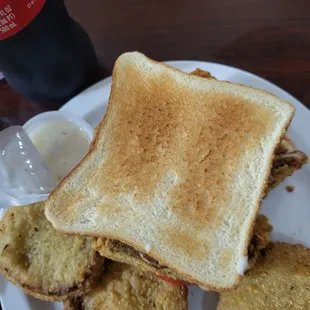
{"x":62,"y":144}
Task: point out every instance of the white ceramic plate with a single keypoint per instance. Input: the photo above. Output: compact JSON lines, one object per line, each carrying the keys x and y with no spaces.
{"x":289,"y":213}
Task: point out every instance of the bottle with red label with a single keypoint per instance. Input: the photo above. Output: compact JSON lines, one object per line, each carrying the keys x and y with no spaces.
{"x":44,"y":54}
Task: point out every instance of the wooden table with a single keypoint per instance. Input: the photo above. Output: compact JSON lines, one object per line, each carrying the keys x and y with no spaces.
{"x":268,"y":38}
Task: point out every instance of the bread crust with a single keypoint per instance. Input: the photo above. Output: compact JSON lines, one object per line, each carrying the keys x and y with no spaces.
{"x":259,"y":243}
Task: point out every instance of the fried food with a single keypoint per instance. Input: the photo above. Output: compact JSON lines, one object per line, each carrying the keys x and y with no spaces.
{"x":280,"y":280}
{"x":45,"y":263}
{"x":260,"y":239}
{"x":290,"y":188}
{"x":286,"y":161}
{"x":125,"y":287}
{"x":202,"y":73}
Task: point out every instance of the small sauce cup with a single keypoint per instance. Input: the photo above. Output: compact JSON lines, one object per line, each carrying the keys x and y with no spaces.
{"x":62,"y":139}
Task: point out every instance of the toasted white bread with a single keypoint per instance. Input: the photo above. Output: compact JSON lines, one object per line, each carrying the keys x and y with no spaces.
{"x":280,"y":280}
{"x":177,"y":170}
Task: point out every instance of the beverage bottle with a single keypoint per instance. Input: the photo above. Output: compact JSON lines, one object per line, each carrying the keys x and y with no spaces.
{"x":44,"y":54}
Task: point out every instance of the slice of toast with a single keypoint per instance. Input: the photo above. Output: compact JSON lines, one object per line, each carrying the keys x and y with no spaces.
{"x":124,"y":287}
{"x":42,"y":261}
{"x":177,"y":170}
{"x":280,"y":280}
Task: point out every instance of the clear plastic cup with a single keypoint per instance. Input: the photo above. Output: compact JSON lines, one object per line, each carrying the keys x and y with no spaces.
{"x":24,"y":177}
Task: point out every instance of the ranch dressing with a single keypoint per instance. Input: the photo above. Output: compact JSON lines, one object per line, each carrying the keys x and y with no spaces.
{"x":62,"y":144}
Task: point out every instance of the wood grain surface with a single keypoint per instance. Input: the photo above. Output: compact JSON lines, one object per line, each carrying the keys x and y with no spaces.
{"x":268,"y":38}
